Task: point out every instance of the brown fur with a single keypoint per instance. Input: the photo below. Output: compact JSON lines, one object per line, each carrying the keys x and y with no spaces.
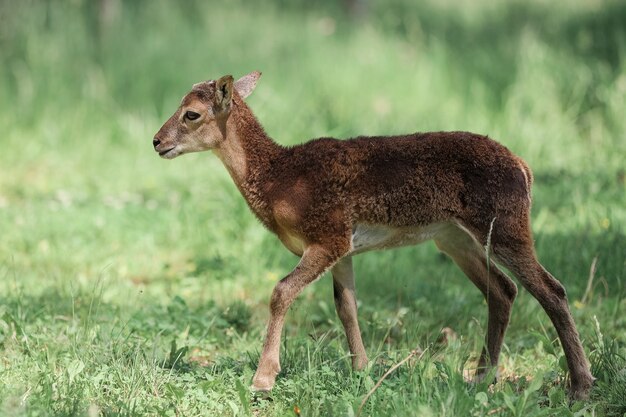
{"x":321,"y":197}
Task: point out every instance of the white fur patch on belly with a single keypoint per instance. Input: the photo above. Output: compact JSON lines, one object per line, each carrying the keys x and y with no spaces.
{"x":366,"y":237}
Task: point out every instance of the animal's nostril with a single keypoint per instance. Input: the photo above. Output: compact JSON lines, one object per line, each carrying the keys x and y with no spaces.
{"x":155,"y":142}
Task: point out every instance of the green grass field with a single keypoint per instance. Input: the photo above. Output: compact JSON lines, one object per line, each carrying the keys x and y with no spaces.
{"x":131,"y":285}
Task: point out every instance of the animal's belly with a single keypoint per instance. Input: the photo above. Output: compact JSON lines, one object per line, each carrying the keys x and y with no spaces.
{"x":366,"y":237}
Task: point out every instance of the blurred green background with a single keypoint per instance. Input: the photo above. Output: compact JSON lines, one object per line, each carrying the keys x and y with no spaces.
{"x":110,"y":257}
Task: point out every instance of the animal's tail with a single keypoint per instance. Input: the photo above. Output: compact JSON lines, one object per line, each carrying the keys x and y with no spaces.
{"x":528,"y":175}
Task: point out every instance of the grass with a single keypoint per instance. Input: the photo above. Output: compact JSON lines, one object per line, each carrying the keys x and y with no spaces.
{"x":130,"y":285}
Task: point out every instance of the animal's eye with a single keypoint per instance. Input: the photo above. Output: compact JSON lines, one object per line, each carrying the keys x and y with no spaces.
{"x":192,"y":115}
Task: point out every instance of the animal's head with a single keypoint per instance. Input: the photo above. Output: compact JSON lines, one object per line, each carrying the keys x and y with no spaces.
{"x":199,"y":123}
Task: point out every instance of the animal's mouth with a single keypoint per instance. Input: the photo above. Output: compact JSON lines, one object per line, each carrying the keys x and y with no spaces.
{"x":163,"y":153}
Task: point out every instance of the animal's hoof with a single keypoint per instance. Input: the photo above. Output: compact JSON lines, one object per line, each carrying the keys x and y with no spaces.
{"x":582,"y":390}
{"x":262,"y":383}
{"x":260,"y":388}
{"x":486,"y":375}
{"x":359,"y":363}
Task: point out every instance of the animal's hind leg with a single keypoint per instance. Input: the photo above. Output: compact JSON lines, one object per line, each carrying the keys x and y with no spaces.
{"x":519,"y":257}
{"x":498,"y":289}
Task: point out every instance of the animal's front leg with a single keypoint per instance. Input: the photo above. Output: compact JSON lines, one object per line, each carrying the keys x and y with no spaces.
{"x":315,"y":260}
{"x":345,"y":302}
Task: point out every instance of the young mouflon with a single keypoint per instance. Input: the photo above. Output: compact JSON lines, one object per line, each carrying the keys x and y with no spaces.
{"x":330,"y":199}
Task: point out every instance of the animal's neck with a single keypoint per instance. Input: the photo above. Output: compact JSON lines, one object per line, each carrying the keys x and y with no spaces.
{"x":248,"y":152}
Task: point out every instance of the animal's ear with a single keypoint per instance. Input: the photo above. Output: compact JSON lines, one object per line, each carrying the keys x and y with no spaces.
{"x":246,"y":84}
{"x":223,"y":93}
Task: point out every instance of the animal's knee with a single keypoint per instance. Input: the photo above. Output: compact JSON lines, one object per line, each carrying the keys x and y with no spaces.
{"x":280,"y":295}
{"x":344,"y":302}
{"x":549,"y":292}
{"x":509,"y":290}
{"x":555,"y":288}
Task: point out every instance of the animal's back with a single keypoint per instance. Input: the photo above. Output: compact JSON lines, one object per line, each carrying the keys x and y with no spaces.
{"x":413,"y":179}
